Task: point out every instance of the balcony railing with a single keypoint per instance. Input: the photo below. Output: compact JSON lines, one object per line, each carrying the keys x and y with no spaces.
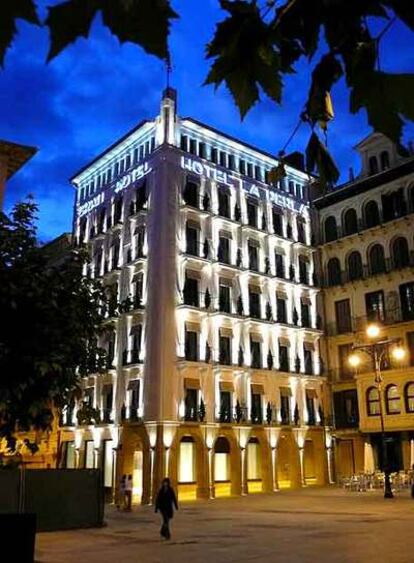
{"x":389,"y":316}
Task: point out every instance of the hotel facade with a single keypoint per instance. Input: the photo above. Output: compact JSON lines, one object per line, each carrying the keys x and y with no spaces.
{"x":213,"y":328}
{"x":366,"y":252}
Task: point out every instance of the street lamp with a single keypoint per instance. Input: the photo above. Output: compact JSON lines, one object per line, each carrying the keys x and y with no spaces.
{"x":377,"y":350}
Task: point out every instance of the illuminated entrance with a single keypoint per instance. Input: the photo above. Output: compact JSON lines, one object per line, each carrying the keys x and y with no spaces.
{"x":222,"y":479}
{"x":254,"y":466}
{"x":187,"y":470}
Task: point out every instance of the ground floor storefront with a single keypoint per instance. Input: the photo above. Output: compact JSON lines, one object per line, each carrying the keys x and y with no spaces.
{"x":202,"y":460}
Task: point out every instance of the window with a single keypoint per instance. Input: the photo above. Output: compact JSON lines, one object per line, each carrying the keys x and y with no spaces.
{"x":191,"y":234}
{"x":191,"y":345}
{"x":280,"y":265}
{"x":373,"y":404}
{"x":187,"y":459}
{"x":256,"y":354}
{"x":301,"y":230}
{"x":254,"y":303}
{"x":305,"y":314}
{"x":393,"y":205}
{"x":410,"y":345}
{"x":376,"y":259}
{"x":343,"y":316}
{"x":285,"y":406}
{"x":373,"y":165}
{"x":202,"y":150}
{"x":138,"y":281}
{"x":303,"y":270}
{"x":223,"y":159}
{"x":214,"y":155}
{"x":136,"y":335}
{"x":108,"y":463}
{"x":221,"y":460}
{"x":371,"y":214}
{"x":252,"y":214}
{"x":277,"y":222}
{"x":310,"y":407}
{"x":232,"y":162}
{"x":191,"y":193}
{"x":407,"y":301}
{"x":374,"y":304}
{"x":400,"y":253}
{"x":346,"y":371}
{"x":281,"y":310}
{"x":118,"y":211}
{"x":225,"y":406}
{"x":68,"y":455}
{"x":183,"y":142}
{"x":409,"y":396}
{"x":256,"y":410}
{"x":242,"y":166}
{"x":190,"y":292}
{"x":334,"y":272}
{"x":254,"y":465}
{"x":392,"y":400}
{"x":385,"y":160}
{"x":224,"y":350}
{"x":223,"y":203}
{"x":346,"y":409}
{"x":139,"y":241}
{"x":89,"y":455}
{"x":223,"y":253}
{"x":307,"y":357}
{"x":331,"y":231}
{"x":133,"y":391}
{"x":191,"y":404}
{"x":224,"y":298}
{"x":350,"y":222}
{"x":253,"y":252}
{"x":193,"y":146}
{"x":355,"y":269}
{"x":283,"y":358}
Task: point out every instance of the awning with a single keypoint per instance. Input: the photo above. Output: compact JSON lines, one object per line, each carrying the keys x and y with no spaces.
{"x":255,"y":289}
{"x":226,"y":386}
{"x":225,"y":234}
{"x":192,"y":327}
{"x":257,"y":389}
{"x":256,"y":337}
{"x":281,"y":294}
{"x":228,"y":332}
{"x":309,"y":346}
{"x":284,"y":341}
{"x":226,"y":282}
{"x":311,"y":393}
{"x":191,"y":383}
{"x":285,"y":391}
{"x":193,"y":224}
{"x":253,"y":242}
{"x":193,"y":274}
{"x":306,"y":300}
{"x":133,"y":385}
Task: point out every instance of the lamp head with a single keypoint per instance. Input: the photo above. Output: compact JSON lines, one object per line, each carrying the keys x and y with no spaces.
{"x":373,"y":330}
{"x":398,"y":353}
{"x":354,"y":360}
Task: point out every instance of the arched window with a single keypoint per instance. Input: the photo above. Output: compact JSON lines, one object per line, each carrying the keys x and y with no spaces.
{"x":371,"y":214}
{"x":385,"y":160}
{"x":334,"y":271}
{"x":392,"y":400}
{"x":355,"y":270}
{"x":409,"y":396}
{"x":350,"y":222}
{"x":376,"y":259}
{"x":400,"y":253}
{"x":373,"y":404}
{"x":331,"y":231}
{"x":373,"y":165}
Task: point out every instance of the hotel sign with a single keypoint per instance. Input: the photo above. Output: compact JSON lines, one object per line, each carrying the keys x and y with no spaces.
{"x":232,"y":180}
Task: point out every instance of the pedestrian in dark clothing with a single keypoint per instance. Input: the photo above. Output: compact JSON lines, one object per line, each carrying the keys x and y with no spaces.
{"x":166,"y":500}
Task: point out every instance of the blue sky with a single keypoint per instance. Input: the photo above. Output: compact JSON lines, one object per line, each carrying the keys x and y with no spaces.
{"x":96,"y":90}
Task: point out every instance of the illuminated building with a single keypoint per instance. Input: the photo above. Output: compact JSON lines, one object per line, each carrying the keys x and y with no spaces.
{"x":367,"y":251}
{"x":214,"y":376}
{"x":12,"y":157}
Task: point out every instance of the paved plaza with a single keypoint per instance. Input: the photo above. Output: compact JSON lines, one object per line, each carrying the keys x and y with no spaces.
{"x":311,"y":525}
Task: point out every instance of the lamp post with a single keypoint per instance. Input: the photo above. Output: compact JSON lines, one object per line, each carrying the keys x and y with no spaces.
{"x":378,"y":349}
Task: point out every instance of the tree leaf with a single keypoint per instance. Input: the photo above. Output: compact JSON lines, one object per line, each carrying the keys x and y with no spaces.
{"x":402,"y":9}
{"x":318,"y":159}
{"x":326,"y":73}
{"x":10,"y":11}
{"x":143,"y":22}
{"x":245,"y":58}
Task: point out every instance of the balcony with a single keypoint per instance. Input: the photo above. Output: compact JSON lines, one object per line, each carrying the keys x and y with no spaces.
{"x":389,"y":317}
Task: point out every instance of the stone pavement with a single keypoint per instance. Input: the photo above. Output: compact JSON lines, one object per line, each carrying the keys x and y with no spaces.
{"x":309,"y":525}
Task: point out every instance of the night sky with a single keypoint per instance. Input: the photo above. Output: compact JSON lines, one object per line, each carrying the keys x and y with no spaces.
{"x":97,"y":90}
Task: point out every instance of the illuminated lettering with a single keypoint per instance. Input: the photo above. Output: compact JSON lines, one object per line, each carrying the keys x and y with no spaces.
{"x":91,"y":204}
{"x":136,"y":174}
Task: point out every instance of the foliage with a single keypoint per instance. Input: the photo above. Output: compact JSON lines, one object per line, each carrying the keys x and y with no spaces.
{"x":255,"y":47}
{"x":86,"y":414}
{"x":51,"y":321}
{"x":201,"y":411}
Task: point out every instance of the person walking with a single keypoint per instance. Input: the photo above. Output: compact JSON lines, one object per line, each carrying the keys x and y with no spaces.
{"x":165,"y":502}
{"x":128,"y":493}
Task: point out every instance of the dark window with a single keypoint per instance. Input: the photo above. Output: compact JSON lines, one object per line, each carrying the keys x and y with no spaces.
{"x":232,"y":162}
{"x":334,"y":272}
{"x":118,"y":211}
{"x":305,"y":314}
{"x":303,"y":270}
{"x":373,"y":404}
{"x":256,"y":414}
{"x":277,"y":222}
{"x":253,"y":257}
{"x":214,"y":155}
{"x":225,"y":406}
{"x":346,"y":409}
{"x":343,"y":316}
{"x":242,"y":166}
{"x":191,"y":234}
{"x":183,"y":143}
{"x":225,"y":350}
{"x":139,"y":242}
{"x":202,"y":150}
{"x":301,"y":231}
{"x":409,"y":396}
{"x":407,"y":301}
{"x":190,"y":194}
{"x":223,"y":203}
{"x":307,"y":355}
{"x":224,"y":299}
{"x":223,"y":254}
{"x":345,"y":369}
{"x":310,"y":407}
{"x":252,"y":214}
{"x":331,"y":231}
{"x":392,"y":400}
{"x":376,"y":259}
{"x":400,"y":253}
{"x":258,"y":173}
{"x":256,"y":354}
{"x":254,"y":304}
{"x":355,"y":269}
{"x":373,"y":165}
{"x":250,"y":169}
{"x":281,"y":310}
{"x":283,"y":358}
{"x":285,"y":408}
{"x":350,"y":222}
{"x":191,"y":345}
{"x":191,"y":404}
{"x":138,"y":291}
{"x":385,"y":160}
{"x":374,"y":304}
{"x":107,"y":400}
{"x":191,"y":294}
{"x":280,"y":265}
{"x":223,"y":159}
{"x":193,"y":146}
{"x":410,"y":345}
{"x":141,"y":196}
{"x":393,"y":205}
{"x":371,"y":213}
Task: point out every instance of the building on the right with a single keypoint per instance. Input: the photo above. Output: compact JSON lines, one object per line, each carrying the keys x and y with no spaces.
{"x":366,"y":262}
